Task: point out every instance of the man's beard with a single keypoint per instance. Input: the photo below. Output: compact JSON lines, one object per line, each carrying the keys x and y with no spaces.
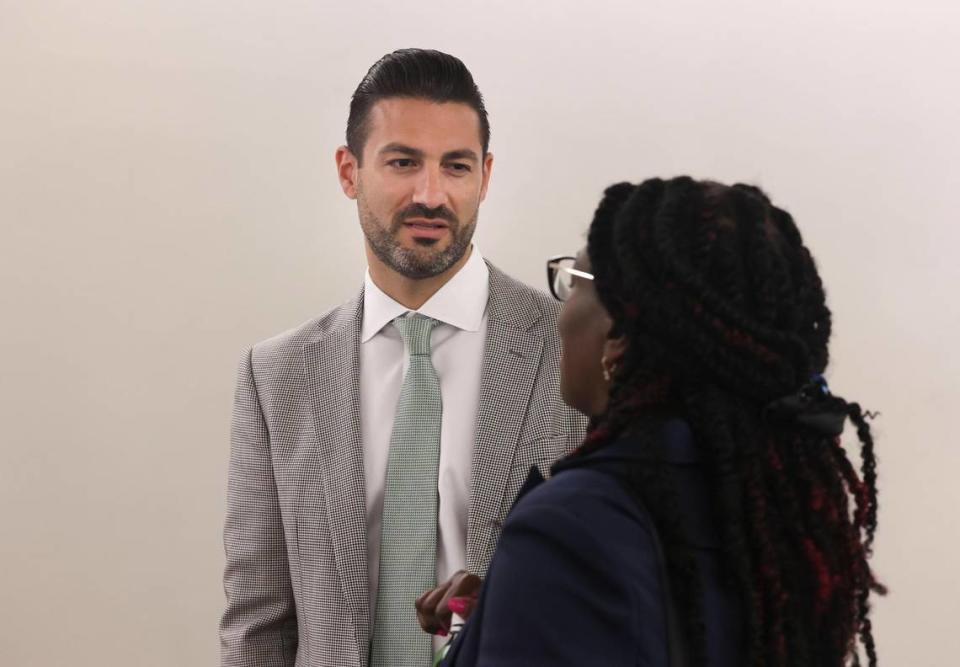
{"x":415,"y":263}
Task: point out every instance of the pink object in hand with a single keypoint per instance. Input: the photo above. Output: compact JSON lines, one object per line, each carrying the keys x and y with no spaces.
{"x":457,"y":605}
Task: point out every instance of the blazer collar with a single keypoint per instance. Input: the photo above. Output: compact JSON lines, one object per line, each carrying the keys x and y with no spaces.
{"x":510,"y":302}
{"x":332,"y":369}
{"x":511,"y":363}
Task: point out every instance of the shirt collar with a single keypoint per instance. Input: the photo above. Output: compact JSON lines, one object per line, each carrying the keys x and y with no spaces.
{"x":461,"y":302}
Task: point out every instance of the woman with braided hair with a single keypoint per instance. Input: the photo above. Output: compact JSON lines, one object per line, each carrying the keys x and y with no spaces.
{"x":711,"y":516}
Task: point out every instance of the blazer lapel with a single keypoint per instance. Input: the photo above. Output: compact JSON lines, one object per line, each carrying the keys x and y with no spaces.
{"x":510,"y":365}
{"x":333,"y":377}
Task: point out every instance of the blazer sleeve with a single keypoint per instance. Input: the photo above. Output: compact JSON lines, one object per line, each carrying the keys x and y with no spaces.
{"x":259,"y":625}
{"x":572,"y":576}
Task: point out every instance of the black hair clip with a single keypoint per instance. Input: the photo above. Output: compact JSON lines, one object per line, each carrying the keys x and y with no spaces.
{"x":812,"y":407}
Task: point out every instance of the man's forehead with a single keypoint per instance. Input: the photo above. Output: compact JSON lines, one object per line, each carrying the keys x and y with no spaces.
{"x":423,"y":124}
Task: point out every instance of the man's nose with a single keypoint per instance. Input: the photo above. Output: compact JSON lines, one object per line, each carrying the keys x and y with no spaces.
{"x":430,"y":190}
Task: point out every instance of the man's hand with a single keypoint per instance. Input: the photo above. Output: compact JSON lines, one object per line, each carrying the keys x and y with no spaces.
{"x":457,"y":595}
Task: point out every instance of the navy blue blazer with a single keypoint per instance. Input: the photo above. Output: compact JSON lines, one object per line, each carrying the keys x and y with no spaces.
{"x":575,"y":578}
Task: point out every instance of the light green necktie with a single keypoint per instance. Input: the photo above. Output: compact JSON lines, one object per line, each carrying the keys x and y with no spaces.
{"x":408,"y":543}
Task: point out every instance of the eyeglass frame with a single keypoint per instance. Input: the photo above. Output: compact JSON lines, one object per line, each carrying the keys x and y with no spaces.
{"x":553,"y":267}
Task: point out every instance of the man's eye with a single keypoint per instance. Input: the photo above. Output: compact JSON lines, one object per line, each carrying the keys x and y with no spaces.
{"x":459,"y":167}
{"x":402,"y":163}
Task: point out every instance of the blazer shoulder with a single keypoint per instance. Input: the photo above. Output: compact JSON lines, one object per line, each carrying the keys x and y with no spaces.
{"x":511,"y":298}
{"x":277,"y":362}
{"x":292,"y":341}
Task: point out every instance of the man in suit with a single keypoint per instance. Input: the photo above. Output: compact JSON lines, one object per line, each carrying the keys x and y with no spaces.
{"x":376,"y":449}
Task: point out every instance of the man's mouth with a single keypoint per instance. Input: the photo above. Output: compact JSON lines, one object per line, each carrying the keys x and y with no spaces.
{"x":426,"y":231}
{"x":424,"y":223}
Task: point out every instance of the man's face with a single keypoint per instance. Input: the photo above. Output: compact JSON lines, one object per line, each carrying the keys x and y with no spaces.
{"x":419,"y":188}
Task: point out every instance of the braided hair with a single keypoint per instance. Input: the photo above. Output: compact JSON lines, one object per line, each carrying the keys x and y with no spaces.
{"x":724,"y":312}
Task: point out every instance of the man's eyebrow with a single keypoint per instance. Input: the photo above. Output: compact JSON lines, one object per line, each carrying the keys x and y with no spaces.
{"x":461,"y":154}
{"x":401,"y":148}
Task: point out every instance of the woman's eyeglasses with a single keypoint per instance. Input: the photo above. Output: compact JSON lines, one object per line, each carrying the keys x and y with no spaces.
{"x":560,"y":273}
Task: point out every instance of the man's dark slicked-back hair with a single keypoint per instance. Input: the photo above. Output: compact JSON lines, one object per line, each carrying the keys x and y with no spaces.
{"x":413,"y":73}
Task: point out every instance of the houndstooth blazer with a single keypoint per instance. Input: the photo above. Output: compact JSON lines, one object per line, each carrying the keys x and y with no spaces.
{"x":295,"y":533}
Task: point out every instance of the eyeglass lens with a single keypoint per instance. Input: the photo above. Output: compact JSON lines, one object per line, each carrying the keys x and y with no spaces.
{"x":562,"y":278}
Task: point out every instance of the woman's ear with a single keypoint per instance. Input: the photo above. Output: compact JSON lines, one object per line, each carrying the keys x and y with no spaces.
{"x":613,"y":350}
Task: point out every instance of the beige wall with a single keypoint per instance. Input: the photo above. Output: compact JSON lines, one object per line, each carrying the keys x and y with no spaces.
{"x":167,"y":197}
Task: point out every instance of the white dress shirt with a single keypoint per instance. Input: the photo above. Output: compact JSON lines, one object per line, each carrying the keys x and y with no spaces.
{"x":457,"y":345}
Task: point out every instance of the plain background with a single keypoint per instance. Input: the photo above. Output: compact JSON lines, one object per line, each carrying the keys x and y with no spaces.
{"x":168,"y":197}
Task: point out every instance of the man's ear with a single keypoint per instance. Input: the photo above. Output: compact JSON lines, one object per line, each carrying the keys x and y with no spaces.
{"x":347,"y":169}
{"x":487,"y":168}
{"x":614,"y":348}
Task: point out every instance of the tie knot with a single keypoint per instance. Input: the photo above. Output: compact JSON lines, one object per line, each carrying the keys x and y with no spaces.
{"x":415,"y":330}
